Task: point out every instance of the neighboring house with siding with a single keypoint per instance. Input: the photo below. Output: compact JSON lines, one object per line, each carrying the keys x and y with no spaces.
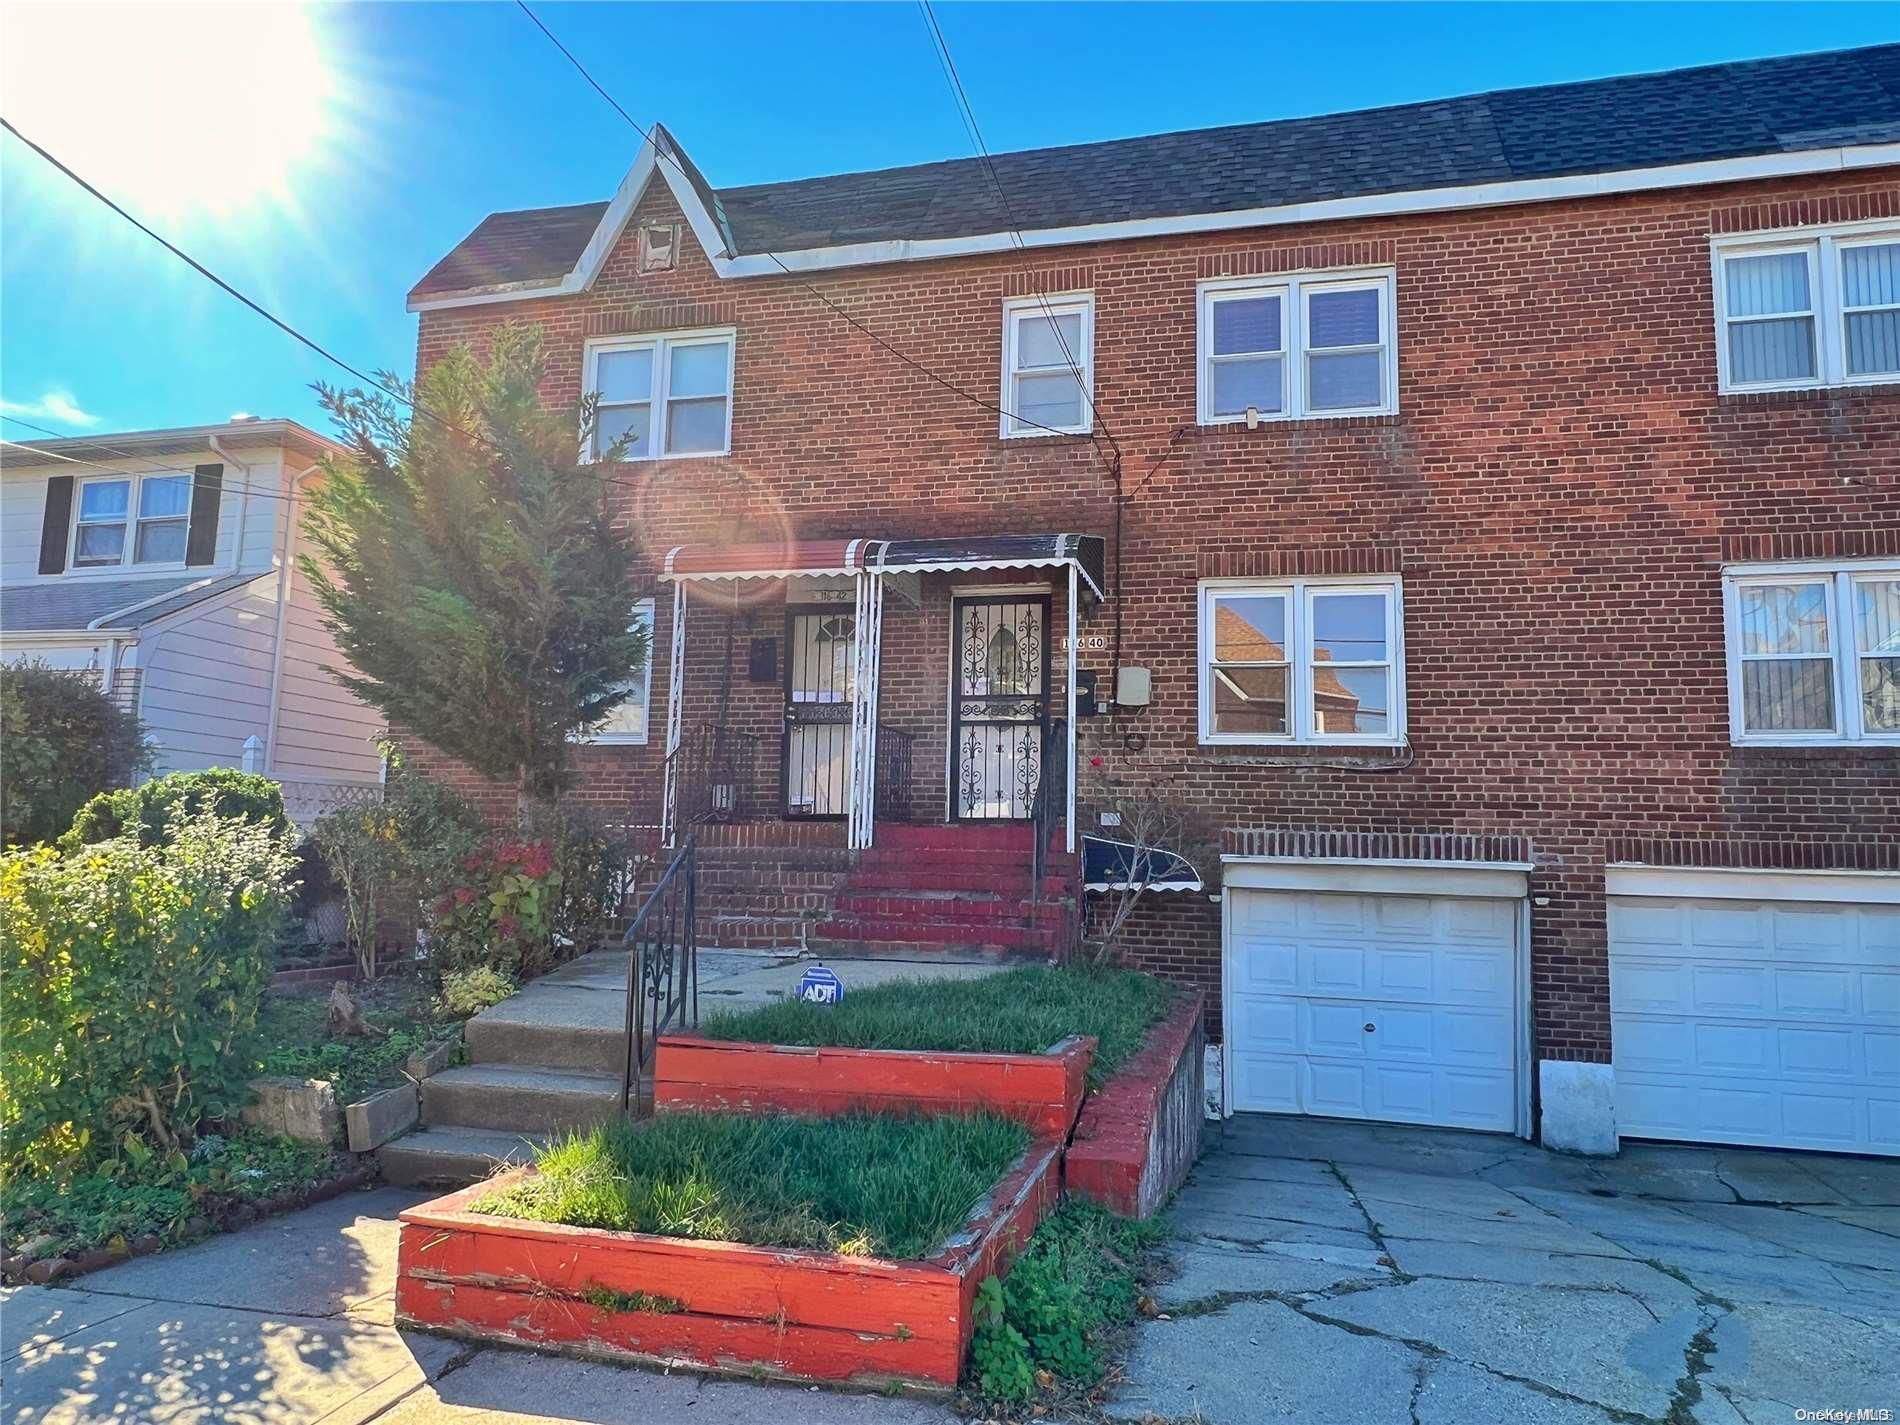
{"x":1491,"y":506}
{"x":165,"y":561}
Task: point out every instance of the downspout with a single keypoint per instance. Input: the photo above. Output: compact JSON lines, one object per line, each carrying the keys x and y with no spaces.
{"x":291,"y":493}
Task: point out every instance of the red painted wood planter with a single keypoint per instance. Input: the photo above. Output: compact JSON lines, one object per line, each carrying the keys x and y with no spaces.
{"x":1042,"y":1091}
{"x":785,"y":1313}
{"x":1138,"y":1136}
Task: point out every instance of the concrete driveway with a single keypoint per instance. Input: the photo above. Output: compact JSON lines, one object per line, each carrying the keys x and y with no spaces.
{"x":1425,"y":1277}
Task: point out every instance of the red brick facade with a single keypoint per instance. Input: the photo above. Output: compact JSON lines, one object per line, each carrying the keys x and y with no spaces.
{"x":1558,"y":491}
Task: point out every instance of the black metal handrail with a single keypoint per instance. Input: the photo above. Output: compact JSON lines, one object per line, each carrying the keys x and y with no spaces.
{"x":715,"y":776}
{"x":662,"y":966}
{"x":1051,"y":806}
{"x":896,"y":751}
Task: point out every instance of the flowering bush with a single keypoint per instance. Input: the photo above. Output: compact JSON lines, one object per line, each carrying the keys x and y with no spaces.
{"x":502,"y":912}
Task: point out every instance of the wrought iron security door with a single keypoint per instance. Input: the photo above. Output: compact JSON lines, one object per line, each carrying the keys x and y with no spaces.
{"x":999,"y":706}
{"x":819,"y":646}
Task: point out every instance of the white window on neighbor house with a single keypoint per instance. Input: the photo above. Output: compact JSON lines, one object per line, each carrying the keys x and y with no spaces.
{"x":1302,"y":661}
{"x":128,"y":521}
{"x":1814,"y":653}
{"x":661,"y":396}
{"x":627,"y":724}
{"x":1048,"y":366}
{"x":1817,"y":308}
{"x":1297,"y":347}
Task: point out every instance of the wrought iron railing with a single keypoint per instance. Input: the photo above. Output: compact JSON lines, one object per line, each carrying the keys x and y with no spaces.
{"x":662,"y":966}
{"x":1052,"y":797}
{"x":714,"y":776}
{"x":896,"y":752}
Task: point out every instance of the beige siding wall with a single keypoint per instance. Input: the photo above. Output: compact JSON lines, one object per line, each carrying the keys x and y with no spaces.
{"x":206,"y":680}
{"x":323,"y":731}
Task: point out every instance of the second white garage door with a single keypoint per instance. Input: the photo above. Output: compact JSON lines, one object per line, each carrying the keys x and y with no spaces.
{"x":1757,"y":1021}
{"x":1400,"y":1008}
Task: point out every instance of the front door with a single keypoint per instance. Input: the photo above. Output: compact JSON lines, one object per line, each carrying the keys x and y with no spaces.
{"x":999,"y":708}
{"x":819,"y":645}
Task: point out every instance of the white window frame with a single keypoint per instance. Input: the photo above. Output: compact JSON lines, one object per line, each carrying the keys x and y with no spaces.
{"x":1299,"y":592}
{"x":128,"y":552}
{"x":1822,"y":249}
{"x":643,"y":611}
{"x":1014,"y":309}
{"x":1839,"y":579}
{"x":661,"y":344}
{"x":1294,"y":289}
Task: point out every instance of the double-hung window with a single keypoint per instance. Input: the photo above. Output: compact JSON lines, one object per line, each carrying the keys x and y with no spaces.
{"x":628,"y":723}
{"x":661,"y":396}
{"x":127,"y":521}
{"x":1048,"y":366}
{"x":1821,"y":308}
{"x":1814,"y":653}
{"x":1302,"y":660}
{"x":1290,"y":348}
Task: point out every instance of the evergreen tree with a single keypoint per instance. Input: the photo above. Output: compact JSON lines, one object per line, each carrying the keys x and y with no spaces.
{"x":470,"y":569}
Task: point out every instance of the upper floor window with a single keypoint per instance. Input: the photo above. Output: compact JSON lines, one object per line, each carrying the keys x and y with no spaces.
{"x":1048,"y":365}
{"x":1302,"y":660}
{"x":662,"y":395}
{"x":1819,"y":309}
{"x":1290,"y":348}
{"x":628,"y":722}
{"x":1814,"y":653}
{"x":131,"y":521}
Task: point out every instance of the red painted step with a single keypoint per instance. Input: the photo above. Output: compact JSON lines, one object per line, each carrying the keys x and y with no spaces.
{"x":1004,"y":937}
{"x":963,"y":910}
{"x":995,"y":836}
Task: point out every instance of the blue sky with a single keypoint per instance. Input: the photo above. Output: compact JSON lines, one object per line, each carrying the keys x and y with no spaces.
{"x":432,"y":115}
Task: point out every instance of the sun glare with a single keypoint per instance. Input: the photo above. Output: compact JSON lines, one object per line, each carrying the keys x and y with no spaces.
{"x":177,"y":110}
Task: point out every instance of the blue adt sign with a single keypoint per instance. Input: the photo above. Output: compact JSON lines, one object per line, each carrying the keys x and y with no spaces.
{"x":819,"y":986}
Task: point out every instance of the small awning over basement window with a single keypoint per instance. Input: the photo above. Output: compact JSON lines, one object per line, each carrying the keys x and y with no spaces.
{"x":1115,"y":865}
{"x":1087,"y":552}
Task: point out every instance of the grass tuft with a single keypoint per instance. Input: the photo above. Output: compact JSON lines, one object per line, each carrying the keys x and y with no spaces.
{"x":1020,"y":1011}
{"x":861,"y":1185}
{"x":608,"y":1299}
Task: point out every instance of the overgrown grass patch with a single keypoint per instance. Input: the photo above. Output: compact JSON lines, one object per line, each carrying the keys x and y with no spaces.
{"x":862,"y":1185}
{"x":162,"y":1197}
{"x":1020,"y":1011}
{"x":296,"y":1040}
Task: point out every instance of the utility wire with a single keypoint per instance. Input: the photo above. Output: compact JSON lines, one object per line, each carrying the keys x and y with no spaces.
{"x":777,"y":261}
{"x":145,"y":467}
{"x":967,"y":111}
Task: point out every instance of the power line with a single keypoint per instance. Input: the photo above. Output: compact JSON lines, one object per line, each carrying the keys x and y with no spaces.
{"x":967,"y":111}
{"x":778,"y":262}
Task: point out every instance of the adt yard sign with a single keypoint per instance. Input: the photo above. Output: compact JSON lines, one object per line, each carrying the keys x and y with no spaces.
{"x":819,"y":986}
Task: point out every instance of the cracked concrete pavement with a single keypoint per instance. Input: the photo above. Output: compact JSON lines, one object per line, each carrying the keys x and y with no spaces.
{"x":1431,"y":1277}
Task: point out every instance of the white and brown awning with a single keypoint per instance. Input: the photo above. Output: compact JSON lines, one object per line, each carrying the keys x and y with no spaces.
{"x":832,"y":557}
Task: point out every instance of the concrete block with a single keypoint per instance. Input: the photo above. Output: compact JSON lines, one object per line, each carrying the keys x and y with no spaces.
{"x":304,"y":1109}
{"x":1579,"y":1107}
{"x":375,"y":1120}
{"x":434,"y":1058}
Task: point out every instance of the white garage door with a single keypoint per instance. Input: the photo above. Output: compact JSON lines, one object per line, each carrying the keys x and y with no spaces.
{"x":1393,"y":1007}
{"x":1768,"y":1022}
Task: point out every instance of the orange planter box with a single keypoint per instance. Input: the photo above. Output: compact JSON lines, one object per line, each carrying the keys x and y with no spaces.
{"x":785,"y":1313}
{"x":1042,"y":1091}
{"x":1138,"y":1137}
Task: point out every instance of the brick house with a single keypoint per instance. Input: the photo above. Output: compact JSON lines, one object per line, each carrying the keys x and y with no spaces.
{"x":1486,"y":512}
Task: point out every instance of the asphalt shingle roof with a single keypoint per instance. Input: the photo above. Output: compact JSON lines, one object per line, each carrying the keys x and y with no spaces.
{"x":1683,"y":116}
{"x":75,"y":603}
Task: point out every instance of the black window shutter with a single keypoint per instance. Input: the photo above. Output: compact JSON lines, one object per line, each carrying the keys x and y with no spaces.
{"x":58,"y":524}
{"x":207,"y":490}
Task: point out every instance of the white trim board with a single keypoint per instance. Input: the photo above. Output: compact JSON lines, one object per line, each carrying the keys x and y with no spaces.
{"x":1491,"y":880}
{"x":1843,"y":159}
{"x":1750,"y":884}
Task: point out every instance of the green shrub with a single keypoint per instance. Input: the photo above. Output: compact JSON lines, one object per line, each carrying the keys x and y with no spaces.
{"x":1075,"y":1279}
{"x":470,"y":991}
{"x":595,"y":859}
{"x":151,"y":810}
{"x":130,"y":977}
{"x":62,"y":741}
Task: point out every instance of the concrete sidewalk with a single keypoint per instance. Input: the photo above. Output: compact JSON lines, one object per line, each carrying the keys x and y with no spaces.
{"x":289,"y":1323}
